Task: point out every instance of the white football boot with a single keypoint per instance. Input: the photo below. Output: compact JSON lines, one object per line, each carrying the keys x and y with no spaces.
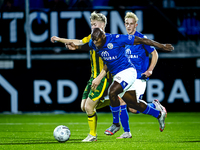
{"x":125,"y":135}
{"x":163,"y":111}
{"x":90,"y":138}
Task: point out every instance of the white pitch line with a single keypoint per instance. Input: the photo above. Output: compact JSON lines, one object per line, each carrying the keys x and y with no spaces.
{"x":78,"y":123}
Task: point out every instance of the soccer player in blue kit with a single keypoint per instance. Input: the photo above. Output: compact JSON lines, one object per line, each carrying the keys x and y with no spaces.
{"x":111,"y":48}
{"x":139,"y":56}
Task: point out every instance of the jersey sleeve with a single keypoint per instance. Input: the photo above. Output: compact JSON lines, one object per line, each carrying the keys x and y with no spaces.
{"x":124,"y":40}
{"x":91,"y":45}
{"x":150,"y":49}
{"x":86,"y":39}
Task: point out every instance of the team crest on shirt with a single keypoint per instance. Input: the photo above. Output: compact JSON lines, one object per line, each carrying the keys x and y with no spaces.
{"x":130,"y":37}
{"x":110,"y":46}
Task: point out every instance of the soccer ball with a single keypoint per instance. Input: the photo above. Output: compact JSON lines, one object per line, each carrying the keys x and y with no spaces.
{"x":61,"y":133}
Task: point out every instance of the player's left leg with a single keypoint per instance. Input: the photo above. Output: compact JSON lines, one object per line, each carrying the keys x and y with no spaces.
{"x":140,"y":86}
{"x":103,"y":103}
{"x":130,"y":98}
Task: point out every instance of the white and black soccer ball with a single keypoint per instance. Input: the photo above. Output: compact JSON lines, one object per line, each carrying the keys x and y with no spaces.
{"x":61,"y":133}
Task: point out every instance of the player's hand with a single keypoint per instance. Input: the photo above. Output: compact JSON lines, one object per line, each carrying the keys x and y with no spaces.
{"x":54,"y":39}
{"x":95,"y":84}
{"x":71,"y":46}
{"x":147,"y":74}
{"x":168,"y":47}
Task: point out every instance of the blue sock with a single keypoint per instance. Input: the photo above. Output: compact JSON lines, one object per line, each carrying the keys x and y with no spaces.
{"x":115,"y":113}
{"x":149,"y":104}
{"x":151,"y":111}
{"x":124,"y":118}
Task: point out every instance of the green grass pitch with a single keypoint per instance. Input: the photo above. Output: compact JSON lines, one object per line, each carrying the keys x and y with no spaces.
{"x":35,"y":132}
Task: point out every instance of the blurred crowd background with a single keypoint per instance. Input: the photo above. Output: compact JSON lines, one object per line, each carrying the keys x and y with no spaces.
{"x":10,"y":5}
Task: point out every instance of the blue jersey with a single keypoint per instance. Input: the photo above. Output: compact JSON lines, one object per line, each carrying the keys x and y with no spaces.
{"x":113,"y":52}
{"x":139,"y":56}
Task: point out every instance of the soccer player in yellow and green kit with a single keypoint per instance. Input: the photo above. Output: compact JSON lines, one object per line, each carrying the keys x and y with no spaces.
{"x":91,"y":98}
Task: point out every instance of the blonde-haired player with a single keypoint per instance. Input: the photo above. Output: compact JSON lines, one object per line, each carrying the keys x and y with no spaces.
{"x":90,"y":99}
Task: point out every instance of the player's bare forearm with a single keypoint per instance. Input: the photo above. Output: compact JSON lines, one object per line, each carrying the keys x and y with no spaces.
{"x":98,"y":79}
{"x":165,"y":47}
{"x":102,"y":73}
{"x":76,"y":42}
{"x":63,"y":40}
{"x":152,"y":65}
{"x":154,"y":60}
{"x":79,"y":47}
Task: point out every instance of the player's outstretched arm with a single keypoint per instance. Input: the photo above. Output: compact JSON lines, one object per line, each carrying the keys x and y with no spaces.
{"x":72,"y":46}
{"x":63,"y":40}
{"x":166,"y":47}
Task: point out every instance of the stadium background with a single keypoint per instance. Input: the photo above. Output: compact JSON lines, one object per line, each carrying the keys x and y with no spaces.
{"x":57,"y":77}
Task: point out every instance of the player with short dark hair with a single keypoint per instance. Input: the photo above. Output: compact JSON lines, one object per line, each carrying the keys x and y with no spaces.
{"x":110,"y":47}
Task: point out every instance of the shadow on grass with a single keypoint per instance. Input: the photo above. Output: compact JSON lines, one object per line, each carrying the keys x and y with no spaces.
{"x":41,"y":142}
{"x":37,"y":141}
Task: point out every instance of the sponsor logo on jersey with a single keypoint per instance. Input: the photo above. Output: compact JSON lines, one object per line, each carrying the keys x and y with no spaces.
{"x":128,"y":51}
{"x":129,"y":55}
{"x":106,"y":56}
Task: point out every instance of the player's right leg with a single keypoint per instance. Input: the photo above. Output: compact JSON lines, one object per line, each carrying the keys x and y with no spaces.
{"x":90,"y":108}
{"x":124,"y":118}
{"x":114,"y":90}
{"x":92,"y":119}
{"x":83,"y":104}
{"x":122,"y":81}
{"x":85,"y":94}
{"x":140,"y":86}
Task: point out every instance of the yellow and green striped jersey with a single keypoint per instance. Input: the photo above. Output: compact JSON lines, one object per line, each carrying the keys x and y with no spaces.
{"x":96,"y":61}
